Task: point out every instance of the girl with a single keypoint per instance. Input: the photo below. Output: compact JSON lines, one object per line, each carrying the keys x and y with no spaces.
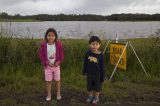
{"x":51,"y":55}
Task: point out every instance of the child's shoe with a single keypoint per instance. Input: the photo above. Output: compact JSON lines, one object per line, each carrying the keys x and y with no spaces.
{"x":59,"y":97}
{"x":48,"y":98}
{"x":95,"y":100}
{"x":89,"y":99}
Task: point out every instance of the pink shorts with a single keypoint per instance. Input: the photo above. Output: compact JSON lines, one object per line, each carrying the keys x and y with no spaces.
{"x":52,"y":73}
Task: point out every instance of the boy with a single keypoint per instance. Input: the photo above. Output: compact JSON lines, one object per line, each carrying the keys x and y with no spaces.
{"x":94,"y":68}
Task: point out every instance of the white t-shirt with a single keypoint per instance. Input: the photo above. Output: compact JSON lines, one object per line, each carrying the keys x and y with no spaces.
{"x":51,"y":52}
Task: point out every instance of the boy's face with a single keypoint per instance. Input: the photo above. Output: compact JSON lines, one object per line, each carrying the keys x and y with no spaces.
{"x":51,"y":37}
{"x":94,"y":46}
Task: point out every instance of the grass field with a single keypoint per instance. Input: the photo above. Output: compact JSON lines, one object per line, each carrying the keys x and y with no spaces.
{"x":22,"y":81}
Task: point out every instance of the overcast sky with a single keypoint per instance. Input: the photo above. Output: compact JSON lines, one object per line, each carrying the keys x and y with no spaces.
{"x":101,"y":7}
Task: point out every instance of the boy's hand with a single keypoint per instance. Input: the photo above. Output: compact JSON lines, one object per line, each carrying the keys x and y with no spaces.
{"x":103,"y":79}
{"x":83,"y":74}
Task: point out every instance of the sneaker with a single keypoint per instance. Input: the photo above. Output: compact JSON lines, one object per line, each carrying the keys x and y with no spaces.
{"x":48,"y":98}
{"x":95,"y":100}
{"x":59,"y":97}
{"x":89,"y":99}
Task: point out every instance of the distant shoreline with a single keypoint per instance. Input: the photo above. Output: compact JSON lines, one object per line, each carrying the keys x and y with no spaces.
{"x":81,"y":17}
{"x":33,"y":20}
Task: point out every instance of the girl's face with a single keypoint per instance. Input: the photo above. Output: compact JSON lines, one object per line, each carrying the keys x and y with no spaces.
{"x":94,"y":46}
{"x":51,"y":37}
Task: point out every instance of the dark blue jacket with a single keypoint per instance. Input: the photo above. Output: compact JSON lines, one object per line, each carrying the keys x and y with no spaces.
{"x":94,"y":63}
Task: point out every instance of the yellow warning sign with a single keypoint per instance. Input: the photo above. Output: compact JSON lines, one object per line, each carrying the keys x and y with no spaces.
{"x":116,"y":50}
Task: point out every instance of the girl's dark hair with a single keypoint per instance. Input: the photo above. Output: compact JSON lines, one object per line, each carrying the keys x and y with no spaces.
{"x":50,"y":30}
{"x":93,"y":39}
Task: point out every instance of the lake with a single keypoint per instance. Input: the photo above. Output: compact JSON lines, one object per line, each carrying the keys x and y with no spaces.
{"x":83,"y":29}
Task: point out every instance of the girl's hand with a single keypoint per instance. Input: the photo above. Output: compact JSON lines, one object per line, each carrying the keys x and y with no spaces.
{"x":56,"y":63}
{"x":50,"y":64}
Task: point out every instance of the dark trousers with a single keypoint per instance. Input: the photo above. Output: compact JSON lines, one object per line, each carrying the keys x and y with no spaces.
{"x":93,"y":82}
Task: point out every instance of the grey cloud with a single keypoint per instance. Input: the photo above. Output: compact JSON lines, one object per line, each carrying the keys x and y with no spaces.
{"x":87,"y":6}
{"x":112,"y":6}
{"x":11,"y":2}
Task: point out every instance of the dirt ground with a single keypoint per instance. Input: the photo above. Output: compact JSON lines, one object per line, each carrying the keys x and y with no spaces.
{"x":72,"y":97}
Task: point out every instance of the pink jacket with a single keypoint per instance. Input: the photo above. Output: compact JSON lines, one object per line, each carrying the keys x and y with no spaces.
{"x":43,"y":53}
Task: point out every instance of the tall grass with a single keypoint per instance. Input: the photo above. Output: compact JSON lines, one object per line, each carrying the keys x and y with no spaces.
{"x":20,"y":65}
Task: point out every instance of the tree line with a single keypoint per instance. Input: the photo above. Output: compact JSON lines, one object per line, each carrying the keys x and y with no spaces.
{"x":84,"y":17}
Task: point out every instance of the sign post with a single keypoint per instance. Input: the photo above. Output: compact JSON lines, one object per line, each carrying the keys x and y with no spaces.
{"x":118,"y":55}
